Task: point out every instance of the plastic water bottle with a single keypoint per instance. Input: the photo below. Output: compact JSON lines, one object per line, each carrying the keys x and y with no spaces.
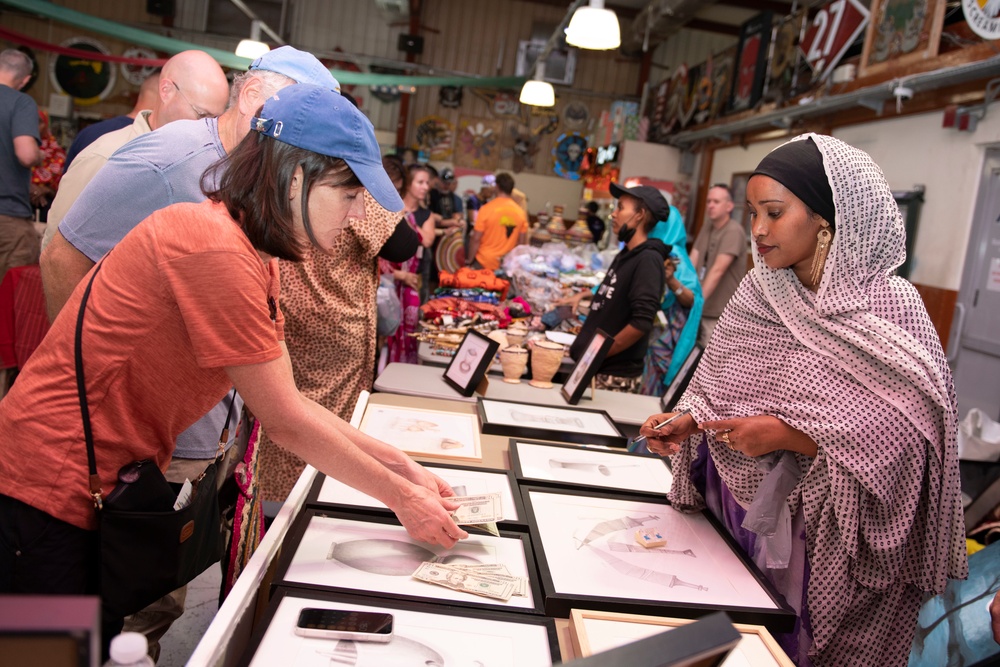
{"x":130,"y":649}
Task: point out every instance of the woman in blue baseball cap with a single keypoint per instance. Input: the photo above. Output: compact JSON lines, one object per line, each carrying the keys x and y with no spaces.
{"x":182,"y":310}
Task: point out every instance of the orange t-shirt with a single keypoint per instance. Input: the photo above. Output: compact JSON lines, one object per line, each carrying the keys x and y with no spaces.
{"x":180,"y":298}
{"x":501,"y":222}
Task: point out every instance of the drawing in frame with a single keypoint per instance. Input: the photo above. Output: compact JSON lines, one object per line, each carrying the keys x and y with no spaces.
{"x":548,"y":464}
{"x":329,"y":493}
{"x":451,"y":436}
{"x":900,"y":33}
{"x":422,"y":634}
{"x":587,"y":555}
{"x":528,"y":420}
{"x":471,"y":361}
{"x":751,"y":63}
{"x":680,"y":382}
{"x":375,"y":556}
{"x":585,"y":369}
{"x":598,"y":631}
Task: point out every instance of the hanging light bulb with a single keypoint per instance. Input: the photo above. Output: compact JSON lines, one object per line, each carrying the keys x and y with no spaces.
{"x":252,"y":48}
{"x":594,"y":27}
{"x":538,"y":92}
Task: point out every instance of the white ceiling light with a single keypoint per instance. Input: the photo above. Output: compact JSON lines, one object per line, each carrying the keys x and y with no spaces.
{"x":594,"y":27}
{"x":537,"y":92}
{"x":252,"y":48}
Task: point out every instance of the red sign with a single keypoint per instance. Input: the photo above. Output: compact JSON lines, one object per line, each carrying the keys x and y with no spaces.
{"x":833,"y":30}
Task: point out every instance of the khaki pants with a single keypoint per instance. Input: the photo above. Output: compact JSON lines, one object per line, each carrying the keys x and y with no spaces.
{"x":20,"y":243}
{"x":156,"y":619}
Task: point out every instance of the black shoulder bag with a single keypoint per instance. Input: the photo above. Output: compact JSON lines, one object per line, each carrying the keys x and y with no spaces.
{"x":147,"y":549}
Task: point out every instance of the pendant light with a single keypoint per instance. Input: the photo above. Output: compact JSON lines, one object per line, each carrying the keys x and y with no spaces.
{"x":594,"y":27}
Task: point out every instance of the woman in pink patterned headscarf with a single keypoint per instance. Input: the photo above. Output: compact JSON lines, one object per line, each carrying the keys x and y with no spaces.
{"x":823,"y":421}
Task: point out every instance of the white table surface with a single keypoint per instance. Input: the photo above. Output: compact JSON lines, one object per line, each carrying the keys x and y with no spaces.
{"x":428,"y":382}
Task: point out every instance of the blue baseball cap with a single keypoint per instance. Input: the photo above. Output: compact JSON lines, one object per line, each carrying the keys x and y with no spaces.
{"x":298,"y":65}
{"x":322,"y":121}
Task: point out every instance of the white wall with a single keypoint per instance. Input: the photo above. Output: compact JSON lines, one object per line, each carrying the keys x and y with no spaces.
{"x":653,"y":160}
{"x":912,"y":150}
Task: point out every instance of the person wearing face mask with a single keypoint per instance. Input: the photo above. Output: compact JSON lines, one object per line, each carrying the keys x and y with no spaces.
{"x":629,"y":296}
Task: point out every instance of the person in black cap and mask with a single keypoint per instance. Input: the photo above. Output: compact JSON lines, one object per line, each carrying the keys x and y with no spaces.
{"x":630,"y":294}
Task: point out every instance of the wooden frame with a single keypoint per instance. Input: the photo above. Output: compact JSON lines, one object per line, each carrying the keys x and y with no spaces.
{"x":328,"y":493}
{"x":274,"y":641}
{"x":755,"y":637}
{"x":585,"y":369}
{"x":369,"y":555}
{"x":701,"y":568}
{"x":528,"y":420}
{"x":899,"y":21}
{"x":586,"y":468}
{"x":413,"y":431}
{"x":471,"y":361}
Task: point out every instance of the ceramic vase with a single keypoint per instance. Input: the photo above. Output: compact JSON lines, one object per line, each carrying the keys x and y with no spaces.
{"x":513,"y":360}
{"x":545,"y":359}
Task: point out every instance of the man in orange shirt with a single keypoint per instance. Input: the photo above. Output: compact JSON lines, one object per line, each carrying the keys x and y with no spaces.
{"x":500,"y":226}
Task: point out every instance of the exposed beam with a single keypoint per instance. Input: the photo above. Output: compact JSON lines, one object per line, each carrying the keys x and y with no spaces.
{"x":713,"y":26}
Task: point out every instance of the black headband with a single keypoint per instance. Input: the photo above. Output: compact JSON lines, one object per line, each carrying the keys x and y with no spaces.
{"x":798,"y":165}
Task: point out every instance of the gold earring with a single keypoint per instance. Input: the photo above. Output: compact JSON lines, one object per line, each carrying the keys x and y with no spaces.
{"x":822,"y":250}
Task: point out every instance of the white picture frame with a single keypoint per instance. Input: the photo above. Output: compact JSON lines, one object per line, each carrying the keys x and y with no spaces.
{"x":598,"y":631}
{"x":434,"y":434}
{"x":567,"y":465}
{"x":465,"y":481}
{"x":588,"y":557}
{"x":422,"y":634}
{"x":548,"y":422}
{"x":374,"y":555}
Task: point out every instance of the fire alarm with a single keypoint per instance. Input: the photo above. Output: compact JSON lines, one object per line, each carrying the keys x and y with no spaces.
{"x":410,"y":44}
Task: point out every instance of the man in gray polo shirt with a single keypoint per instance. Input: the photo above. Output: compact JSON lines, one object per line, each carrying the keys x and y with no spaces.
{"x":151,"y":172}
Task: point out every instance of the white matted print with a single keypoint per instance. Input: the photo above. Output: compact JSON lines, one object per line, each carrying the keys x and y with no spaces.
{"x":432,"y":433}
{"x":419,"y":638}
{"x":593,"y":467}
{"x":590,"y":549}
{"x":464,"y":483}
{"x":524,"y":415}
{"x":599,"y":631}
{"x":370,"y":556}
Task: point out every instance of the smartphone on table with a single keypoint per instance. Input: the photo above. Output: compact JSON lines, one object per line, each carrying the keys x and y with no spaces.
{"x":360,"y":626}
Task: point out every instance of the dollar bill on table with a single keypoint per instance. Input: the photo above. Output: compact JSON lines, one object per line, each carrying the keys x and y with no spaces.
{"x":498,"y":570}
{"x":461,"y":580}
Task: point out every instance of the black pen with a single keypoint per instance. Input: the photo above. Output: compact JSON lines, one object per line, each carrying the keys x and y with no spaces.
{"x":685,"y":411}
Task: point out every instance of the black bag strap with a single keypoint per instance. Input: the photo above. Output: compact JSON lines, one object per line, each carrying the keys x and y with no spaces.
{"x":96,"y":491}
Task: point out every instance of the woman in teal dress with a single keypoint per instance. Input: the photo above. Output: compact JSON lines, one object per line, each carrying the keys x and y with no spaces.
{"x":682,"y":303}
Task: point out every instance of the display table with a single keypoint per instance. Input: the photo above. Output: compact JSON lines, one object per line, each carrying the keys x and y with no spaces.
{"x":426,"y":356}
{"x":428,"y":382}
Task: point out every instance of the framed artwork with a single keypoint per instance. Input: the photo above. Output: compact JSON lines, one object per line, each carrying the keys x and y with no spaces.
{"x":751,"y":62}
{"x":680,"y":381}
{"x":333,"y":494}
{"x":589,"y":557}
{"x":375,"y":556}
{"x":546,"y":422}
{"x":470,"y":363}
{"x":477,"y":143}
{"x":422,"y":635}
{"x":783,"y":66}
{"x":901,"y":32}
{"x":598,"y":631}
{"x":430,"y":433}
{"x":570,"y":466}
{"x":587,"y":367}
{"x":722,"y":80}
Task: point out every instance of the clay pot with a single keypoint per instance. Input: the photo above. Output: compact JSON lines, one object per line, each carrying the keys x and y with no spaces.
{"x":546,"y":356}
{"x":513,"y":360}
{"x":516,"y":335}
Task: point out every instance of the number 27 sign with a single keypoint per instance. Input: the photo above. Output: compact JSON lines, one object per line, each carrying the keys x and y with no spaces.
{"x":834,"y":28}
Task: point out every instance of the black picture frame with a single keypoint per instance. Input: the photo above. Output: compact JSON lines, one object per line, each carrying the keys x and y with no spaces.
{"x":518,"y":523}
{"x":471,"y":362}
{"x":751,"y":63}
{"x":585,"y":369}
{"x":553,"y":429}
{"x":295,"y":536}
{"x":282,"y":593}
{"x":525,"y":478}
{"x":779,"y":618}
{"x":680,"y":382}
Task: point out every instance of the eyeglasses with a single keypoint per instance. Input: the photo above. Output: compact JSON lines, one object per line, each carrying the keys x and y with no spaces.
{"x":199,"y":114}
